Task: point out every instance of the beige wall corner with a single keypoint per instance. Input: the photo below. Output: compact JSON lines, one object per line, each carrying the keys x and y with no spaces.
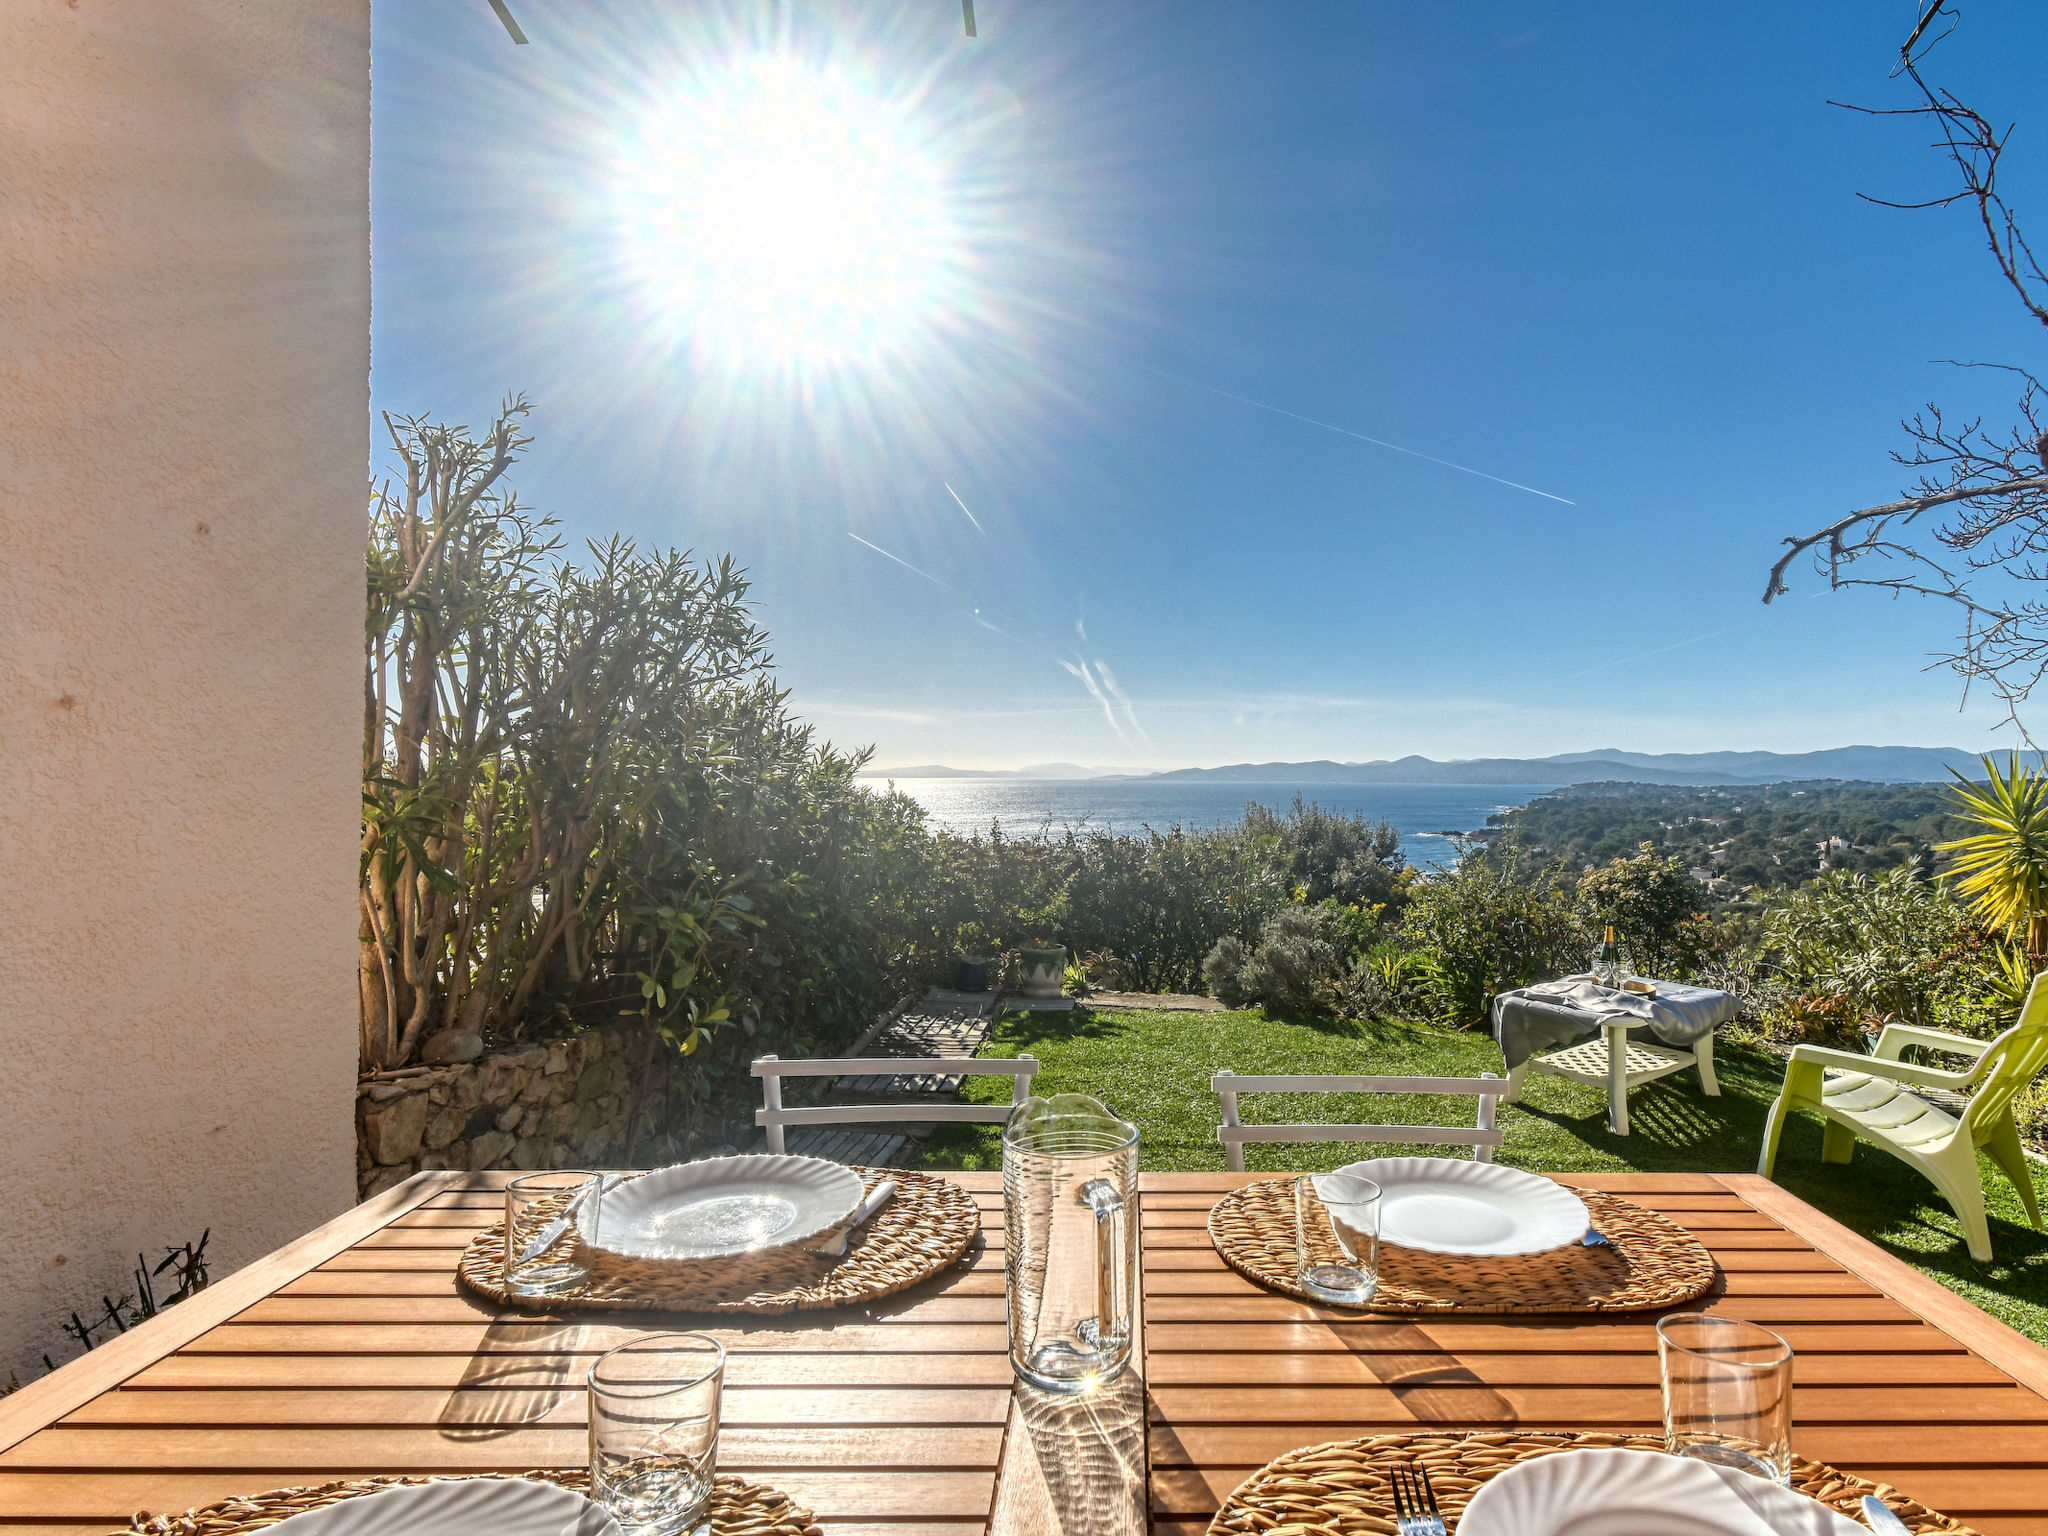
{"x":184,"y":442}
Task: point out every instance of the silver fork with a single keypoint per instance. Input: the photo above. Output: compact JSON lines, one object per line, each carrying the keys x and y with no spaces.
{"x":1415,"y":1511}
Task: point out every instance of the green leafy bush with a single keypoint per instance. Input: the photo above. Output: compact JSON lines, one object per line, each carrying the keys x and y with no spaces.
{"x":1651,"y":902}
{"x":1854,"y":949}
{"x":1160,"y":900}
{"x":1485,"y":929}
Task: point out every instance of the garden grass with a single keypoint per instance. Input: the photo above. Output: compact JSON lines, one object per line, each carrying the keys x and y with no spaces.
{"x":1154,"y":1069}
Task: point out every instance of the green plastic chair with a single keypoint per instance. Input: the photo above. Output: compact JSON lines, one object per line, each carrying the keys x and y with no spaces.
{"x":1862,"y":1097}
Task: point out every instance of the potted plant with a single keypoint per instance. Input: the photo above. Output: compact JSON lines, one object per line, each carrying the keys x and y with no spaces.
{"x":1042,"y":969}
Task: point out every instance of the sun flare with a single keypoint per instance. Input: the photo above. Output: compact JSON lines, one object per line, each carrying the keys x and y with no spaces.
{"x":784,"y":214}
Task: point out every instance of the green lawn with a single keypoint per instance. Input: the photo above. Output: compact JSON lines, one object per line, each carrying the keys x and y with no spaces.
{"x":1154,"y":1068}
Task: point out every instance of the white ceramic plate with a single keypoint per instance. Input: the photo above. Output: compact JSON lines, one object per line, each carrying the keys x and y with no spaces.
{"x":1455,"y":1205}
{"x":477,"y":1508}
{"x":1642,"y":1493}
{"x":723,"y":1205}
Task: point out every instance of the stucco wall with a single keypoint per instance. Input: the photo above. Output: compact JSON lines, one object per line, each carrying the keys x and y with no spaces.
{"x":184,"y":356}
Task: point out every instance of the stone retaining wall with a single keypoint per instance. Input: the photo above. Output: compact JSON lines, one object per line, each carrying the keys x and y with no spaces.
{"x":558,"y":1105}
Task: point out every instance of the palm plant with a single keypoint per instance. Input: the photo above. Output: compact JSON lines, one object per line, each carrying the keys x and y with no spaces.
{"x":2003,"y":870}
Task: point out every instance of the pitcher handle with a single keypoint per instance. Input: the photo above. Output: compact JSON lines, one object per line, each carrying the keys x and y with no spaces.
{"x":1111,"y":1237}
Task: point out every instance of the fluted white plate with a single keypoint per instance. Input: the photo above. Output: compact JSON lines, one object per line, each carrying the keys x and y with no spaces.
{"x":1642,"y":1493}
{"x":721,"y":1206}
{"x":486,"y":1507}
{"x":1456,"y":1205}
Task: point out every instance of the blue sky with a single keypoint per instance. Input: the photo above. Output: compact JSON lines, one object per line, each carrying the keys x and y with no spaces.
{"x":1005,"y":492}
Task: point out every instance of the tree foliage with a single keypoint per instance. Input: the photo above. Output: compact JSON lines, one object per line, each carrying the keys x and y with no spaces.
{"x":1652,"y":903}
{"x":584,"y":795}
{"x":1892,"y":946}
{"x":1487,"y":927}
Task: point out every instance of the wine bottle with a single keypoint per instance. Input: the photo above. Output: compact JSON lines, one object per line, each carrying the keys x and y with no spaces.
{"x":1607,"y":960}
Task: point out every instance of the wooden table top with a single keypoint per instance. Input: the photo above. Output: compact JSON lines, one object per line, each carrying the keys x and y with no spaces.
{"x":352,"y":1352}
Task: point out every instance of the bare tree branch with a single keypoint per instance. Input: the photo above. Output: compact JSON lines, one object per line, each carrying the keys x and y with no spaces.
{"x":1905,"y":510}
{"x":1987,"y":551}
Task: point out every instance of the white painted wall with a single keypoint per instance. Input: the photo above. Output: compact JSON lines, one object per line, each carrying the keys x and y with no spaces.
{"x":184,"y":439}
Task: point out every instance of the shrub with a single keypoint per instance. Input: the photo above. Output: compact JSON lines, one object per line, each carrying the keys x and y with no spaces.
{"x":1856,"y":949}
{"x":1160,"y":900}
{"x":1650,"y":901}
{"x":1223,"y":969}
{"x":1297,"y":965}
{"x":1485,"y":930}
{"x":584,"y":796}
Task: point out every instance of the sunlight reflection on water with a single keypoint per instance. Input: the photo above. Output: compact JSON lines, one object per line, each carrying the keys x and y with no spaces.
{"x":1421,"y":813}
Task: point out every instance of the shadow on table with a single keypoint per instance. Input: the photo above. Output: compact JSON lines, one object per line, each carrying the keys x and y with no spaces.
{"x":519,"y":1376}
{"x":1074,"y":1465}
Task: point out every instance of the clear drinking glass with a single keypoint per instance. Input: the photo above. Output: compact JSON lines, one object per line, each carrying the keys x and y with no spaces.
{"x":1727,"y":1393}
{"x":654,"y":1432}
{"x":542,"y":1254}
{"x":1070,"y":1241}
{"x":1340,"y":1212}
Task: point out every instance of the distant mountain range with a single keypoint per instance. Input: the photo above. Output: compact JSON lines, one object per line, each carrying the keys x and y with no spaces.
{"x":1028,"y":771}
{"x":1884,"y":765}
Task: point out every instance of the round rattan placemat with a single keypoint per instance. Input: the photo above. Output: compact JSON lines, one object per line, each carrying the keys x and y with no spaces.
{"x":1341,"y":1488}
{"x":1648,"y":1261}
{"x":929,"y":1225}
{"x":738,"y":1507}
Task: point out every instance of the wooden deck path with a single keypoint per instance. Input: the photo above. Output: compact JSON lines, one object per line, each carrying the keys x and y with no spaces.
{"x":954,"y":1025}
{"x":352,"y":1352}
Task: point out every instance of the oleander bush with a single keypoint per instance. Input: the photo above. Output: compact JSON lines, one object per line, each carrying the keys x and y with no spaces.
{"x":584,"y":796}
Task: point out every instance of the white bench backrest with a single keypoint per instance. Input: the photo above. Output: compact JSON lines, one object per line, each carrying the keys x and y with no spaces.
{"x":773,"y":1117}
{"x":1482,"y":1138}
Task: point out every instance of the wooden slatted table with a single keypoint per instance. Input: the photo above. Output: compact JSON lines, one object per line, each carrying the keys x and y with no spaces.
{"x":352,"y":1352}
{"x":1896,"y":1378}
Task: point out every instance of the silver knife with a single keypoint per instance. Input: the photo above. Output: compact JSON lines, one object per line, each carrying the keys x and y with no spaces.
{"x":1880,"y":1517}
{"x":866,"y":1212}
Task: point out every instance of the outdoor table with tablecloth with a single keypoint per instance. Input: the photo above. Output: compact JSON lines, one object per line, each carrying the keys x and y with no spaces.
{"x":1681,"y":1018}
{"x":354,"y":1352}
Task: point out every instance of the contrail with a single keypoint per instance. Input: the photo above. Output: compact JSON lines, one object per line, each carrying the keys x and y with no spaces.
{"x":1377,"y":442}
{"x":1095,"y":692}
{"x":963,"y":507}
{"x":1645,"y":655}
{"x":1123,"y":701}
{"x":927,"y":575}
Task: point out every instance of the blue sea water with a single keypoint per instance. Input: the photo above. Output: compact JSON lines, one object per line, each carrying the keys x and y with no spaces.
{"x":1421,"y":813}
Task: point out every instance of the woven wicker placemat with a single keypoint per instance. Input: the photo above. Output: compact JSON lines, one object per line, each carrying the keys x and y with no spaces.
{"x":930,"y":1224}
{"x":738,"y":1507}
{"x":1648,"y":1261}
{"x":1341,"y":1488}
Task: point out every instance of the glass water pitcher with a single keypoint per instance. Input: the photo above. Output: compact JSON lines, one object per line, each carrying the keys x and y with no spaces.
{"x":1070,"y":1233}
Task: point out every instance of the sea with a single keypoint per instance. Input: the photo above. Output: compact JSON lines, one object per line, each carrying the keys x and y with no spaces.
{"x":1422,"y":813}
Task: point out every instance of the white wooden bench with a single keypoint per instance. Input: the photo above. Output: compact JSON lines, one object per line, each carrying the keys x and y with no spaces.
{"x":773,"y":1117}
{"x":1481,"y":1138}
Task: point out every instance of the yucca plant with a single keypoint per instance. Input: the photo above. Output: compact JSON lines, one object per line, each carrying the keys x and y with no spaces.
{"x":2003,"y":870}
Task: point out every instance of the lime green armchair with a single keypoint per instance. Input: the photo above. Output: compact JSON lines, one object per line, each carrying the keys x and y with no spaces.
{"x":1867,"y":1098}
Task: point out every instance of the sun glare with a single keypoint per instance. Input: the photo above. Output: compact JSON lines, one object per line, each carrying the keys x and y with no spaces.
{"x":789,"y":215}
